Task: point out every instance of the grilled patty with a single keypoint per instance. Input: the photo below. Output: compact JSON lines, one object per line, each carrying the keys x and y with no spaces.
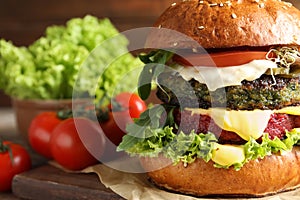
{"x":267,"y":92}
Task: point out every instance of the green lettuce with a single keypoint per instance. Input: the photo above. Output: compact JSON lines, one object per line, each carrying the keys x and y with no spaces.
{"x":16,"y":69}
{"x":186,"y":148}
{"x":146,"y":137}
{"x":49,"y":68}
{"x":56,"y":66}
{"x":88,"y":32}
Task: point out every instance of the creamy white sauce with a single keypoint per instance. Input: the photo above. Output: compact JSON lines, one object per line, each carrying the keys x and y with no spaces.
{"x":218,"y":77}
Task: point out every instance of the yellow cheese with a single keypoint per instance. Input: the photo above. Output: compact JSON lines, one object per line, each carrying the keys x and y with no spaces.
{"x":291,"y":110}
{"x":245,"y":123}
{"x":227,"y":155}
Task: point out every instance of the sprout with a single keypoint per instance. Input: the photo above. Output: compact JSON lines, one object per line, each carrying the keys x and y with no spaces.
{"x":284,"y":56}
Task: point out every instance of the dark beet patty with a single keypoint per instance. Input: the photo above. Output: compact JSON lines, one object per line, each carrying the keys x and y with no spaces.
{"x":277,"y":126}
{"x":267,"y":92}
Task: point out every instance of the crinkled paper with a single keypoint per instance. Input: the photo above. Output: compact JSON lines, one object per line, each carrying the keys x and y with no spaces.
{"x":135,"y":186}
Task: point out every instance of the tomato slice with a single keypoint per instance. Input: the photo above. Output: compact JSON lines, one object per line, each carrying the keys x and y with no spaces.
{"x":223,"y":59}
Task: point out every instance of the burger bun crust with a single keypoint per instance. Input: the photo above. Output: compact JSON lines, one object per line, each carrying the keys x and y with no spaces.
{"x":257,"y":178}
{"x":235,"y":23}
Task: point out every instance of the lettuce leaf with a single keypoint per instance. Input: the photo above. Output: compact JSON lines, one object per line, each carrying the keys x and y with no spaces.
{"x":49,"y":68}
{"x":16,"y":69}
{"x":186,"y":147}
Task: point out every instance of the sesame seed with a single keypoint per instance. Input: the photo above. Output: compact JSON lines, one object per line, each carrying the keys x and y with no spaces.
{"x":221,"y":4}
{"x":175,"y":44}
{"x":194,"y":50}
{"x":228,"y":3}
{"x":160,"y":26}
{"x":173,"y":4}
{"x":201,"y":2}
{"x":233,"y":15}
{"x":296,"y":38}
{"x":213,"y":4}
{"x":261,"y":5}
{"x":284,"y":7}
{"x":288,"y":4}
{"x":201,"y":27}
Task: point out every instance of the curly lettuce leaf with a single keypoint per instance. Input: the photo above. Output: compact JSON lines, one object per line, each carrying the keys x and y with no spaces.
{"x":57,"y":63}
{"x":16,"y":69}
{"x":108,"y":70}
{"x":186,"y":147}
{"x":88,"y":32}
{"x":48,"y":68}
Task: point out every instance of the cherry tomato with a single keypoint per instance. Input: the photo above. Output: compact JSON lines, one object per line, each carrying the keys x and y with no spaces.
{"x":14,"y":159}
{"x":123,"y":108}
{"x":72,"y":141}
{"x":115,"y":127}
{"x":40,"y":131}
{"x":222,"y":59}
{"x":131,"y":102}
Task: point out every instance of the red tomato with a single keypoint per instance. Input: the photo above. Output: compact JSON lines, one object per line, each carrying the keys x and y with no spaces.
{"x":19,"y":163}
{"x":124,"y":107}
{"x":221,"y":59}
{"x":73,"y":140}
{"x":131,"y":102}
{"x":40,"y":131}
{"x":115,"y":127}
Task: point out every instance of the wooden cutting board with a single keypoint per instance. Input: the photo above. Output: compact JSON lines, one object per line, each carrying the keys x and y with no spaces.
{"x":49,"y":183}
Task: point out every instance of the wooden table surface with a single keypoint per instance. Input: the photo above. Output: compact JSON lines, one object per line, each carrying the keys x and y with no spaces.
{"x":47,"y":182}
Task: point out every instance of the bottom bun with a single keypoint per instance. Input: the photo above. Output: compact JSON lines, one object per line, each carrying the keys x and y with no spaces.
{"x":261,"y":177}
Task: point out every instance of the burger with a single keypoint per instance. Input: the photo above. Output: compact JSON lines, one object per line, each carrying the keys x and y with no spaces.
{"x":228,"y":121}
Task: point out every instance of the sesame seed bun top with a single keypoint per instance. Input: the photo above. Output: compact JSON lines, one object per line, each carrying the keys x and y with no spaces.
{"x":225,"y":24}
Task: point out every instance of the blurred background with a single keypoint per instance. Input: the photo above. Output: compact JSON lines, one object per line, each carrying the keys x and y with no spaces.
{"x":23,"y":22}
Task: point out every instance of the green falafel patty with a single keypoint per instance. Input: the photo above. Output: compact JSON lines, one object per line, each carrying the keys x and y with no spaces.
{"x":267,"y":92}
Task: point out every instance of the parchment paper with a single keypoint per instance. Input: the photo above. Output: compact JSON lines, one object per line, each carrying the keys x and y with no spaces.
{"x":136,"y":186}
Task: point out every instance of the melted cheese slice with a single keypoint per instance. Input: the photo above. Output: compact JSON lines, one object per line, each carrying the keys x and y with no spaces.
{"x":291,"y":110}
{"x":245,"y":123}
{"x":218,"y":77}
{"x":227,"y":155}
